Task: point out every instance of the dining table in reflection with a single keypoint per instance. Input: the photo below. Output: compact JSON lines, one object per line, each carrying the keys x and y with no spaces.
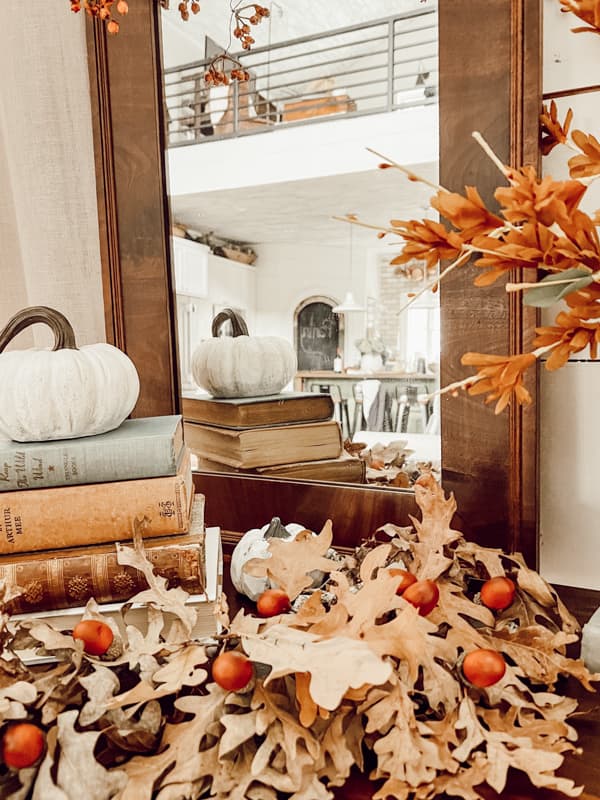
{"x":392,"y":387}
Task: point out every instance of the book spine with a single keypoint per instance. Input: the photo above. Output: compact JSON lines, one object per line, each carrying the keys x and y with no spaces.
{"x":87,"y":460}
{"x":52,"y":519}
{"x":53,"y":583}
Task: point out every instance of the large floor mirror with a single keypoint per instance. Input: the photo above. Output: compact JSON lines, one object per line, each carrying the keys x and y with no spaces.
{"x":158,"y":204}
{"x":258,"y":170}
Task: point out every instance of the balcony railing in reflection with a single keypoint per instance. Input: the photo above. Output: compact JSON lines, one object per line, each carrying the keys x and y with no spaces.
{"x":371,"y":68}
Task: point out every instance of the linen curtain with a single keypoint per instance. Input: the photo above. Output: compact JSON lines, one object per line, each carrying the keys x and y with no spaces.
{"x":49,"y":240}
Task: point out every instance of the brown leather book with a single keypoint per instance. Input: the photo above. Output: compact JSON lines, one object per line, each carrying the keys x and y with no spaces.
{"x":68,"y":578}
{"x":344,"y":469}
{"x":48,"y":519}
{"x":256,"y":412}
{"x":263,"y":447}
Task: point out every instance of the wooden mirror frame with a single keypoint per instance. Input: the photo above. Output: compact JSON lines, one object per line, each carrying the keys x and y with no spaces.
{"x":490,"y":80}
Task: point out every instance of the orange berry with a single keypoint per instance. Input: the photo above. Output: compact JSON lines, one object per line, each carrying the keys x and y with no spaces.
{"x":423,"y":595}
{"x":232,"y":670}
{"x":22,"y":745}
{"x":96,"y":636}
{"x":498,"y":593}
{"x":273,"y":602}
{"x":483,"y":667}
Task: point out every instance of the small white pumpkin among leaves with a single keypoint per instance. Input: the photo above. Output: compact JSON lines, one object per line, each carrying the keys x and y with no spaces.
{"x":64,"y":393}
{"x":255,"y":544}
{"x":242,"y":365}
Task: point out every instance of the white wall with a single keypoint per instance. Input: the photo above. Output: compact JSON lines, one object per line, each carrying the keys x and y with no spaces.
{"x":570,"y":435}
{"x":329,"y":148}
{"x":287,"y":274}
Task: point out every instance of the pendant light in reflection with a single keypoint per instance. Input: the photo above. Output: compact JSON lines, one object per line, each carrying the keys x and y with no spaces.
{"x":349,"y":304}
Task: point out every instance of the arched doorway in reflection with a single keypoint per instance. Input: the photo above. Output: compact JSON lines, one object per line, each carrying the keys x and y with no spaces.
{"x":318,"y":333}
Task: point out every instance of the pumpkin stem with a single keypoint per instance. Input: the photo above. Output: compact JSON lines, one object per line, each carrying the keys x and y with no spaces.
{"x":64,"y":336}
{"x":238,"y":325}
{"x":276,"y":530}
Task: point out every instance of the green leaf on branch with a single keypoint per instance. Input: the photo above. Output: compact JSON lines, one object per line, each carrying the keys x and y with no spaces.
{"x":552,"y":288}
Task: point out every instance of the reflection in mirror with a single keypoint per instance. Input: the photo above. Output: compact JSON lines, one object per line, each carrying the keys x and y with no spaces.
{"x":257,"y":171}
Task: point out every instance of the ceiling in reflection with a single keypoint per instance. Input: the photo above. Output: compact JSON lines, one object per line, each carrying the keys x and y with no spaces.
{"x":302,"y":210}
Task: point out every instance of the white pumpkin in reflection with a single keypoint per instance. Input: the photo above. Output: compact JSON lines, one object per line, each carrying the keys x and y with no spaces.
{"x":64,"y":393}
{"x":242,"y":365}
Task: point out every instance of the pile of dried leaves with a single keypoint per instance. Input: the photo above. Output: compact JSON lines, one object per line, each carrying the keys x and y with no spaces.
{"x":390,"y":464}
{"x":354,"y":669}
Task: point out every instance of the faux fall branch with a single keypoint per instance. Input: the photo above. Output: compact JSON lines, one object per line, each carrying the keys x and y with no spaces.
{"x":539,"y":226}
{"x":356,"y":674}
{"x":224,"y":68}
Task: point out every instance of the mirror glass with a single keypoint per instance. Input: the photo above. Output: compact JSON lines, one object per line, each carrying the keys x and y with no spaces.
{"x":258,"y":169}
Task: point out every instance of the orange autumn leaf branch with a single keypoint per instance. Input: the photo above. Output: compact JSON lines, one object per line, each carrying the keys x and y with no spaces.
{"x":587,"y":10}
{"x":539,"y":226}
{"x":224,"y":68}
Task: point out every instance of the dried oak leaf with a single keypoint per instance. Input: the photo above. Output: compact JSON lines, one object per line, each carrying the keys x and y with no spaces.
{"x":408,"y":754}
{"x":139,"y":733}
{"x":185,"y":759}
{"x":290,"y":562}
{"x":171,"y":601}
{"x":101,"y":685}
{"x":553,"y":132}
{"x":13,"y":699}
{"x":182,"y":668}
{"x":335,"y":664}
{"x":536,"y":650}
{"x":61,"y":773}
{"x":434,"y":532}
{"x":288,"y":753}
{"x":341,"y":746}
{"x":141,"y":649}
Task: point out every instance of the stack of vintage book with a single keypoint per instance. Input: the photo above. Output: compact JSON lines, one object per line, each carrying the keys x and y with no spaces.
{"x":288,"y":435}
{"x":64,"y":504}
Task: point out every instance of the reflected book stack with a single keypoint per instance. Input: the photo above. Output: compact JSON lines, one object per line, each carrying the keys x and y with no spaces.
{"x":289,"y":435}
{"x":66,"y":505}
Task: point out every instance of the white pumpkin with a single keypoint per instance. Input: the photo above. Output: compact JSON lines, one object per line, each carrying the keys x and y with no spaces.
{"x":63,"y":393}
{"x":255,"y":544}
{"x":242,"y":365}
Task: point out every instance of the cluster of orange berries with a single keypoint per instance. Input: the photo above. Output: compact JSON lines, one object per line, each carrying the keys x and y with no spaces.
{"x":185,"y":6}
{"x":102,"y":9}
{"x":242,"y":23}
{"x":217,"y":73}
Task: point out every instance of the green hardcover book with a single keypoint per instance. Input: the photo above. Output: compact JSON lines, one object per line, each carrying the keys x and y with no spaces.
{"x":150,"y":447}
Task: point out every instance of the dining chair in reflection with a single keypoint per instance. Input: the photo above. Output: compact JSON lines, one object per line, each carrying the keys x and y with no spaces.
{"x":340,"y":405}
{"x":372,"y":406}
{"x":411,"y":401}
